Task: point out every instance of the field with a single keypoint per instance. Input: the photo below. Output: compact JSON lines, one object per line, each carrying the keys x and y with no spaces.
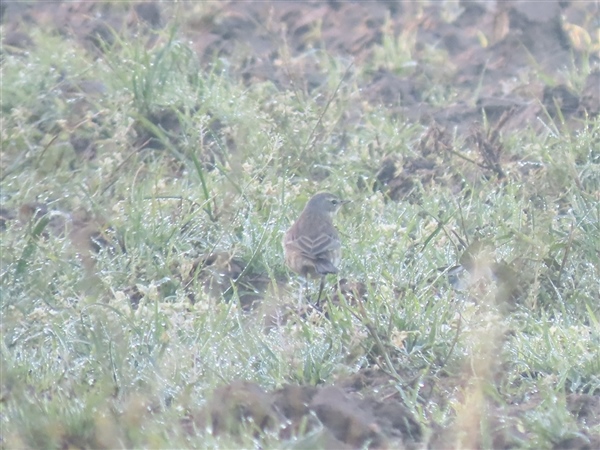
{"x":153,"y":155}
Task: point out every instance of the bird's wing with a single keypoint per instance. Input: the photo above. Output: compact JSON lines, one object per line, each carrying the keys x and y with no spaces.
{"x":315,"y":247}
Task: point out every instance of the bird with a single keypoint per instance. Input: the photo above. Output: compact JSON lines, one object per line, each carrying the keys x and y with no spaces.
{"x":312,"y":247}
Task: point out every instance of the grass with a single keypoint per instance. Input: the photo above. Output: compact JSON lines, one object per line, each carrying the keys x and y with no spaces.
{"x":191,"y":162}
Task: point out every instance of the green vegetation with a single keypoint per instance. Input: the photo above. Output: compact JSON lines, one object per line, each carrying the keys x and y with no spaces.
{"x":184,"y":160}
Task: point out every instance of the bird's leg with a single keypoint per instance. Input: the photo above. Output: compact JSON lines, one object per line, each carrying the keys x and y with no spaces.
{"x":321,"y":286}
{"x":306,"y":288}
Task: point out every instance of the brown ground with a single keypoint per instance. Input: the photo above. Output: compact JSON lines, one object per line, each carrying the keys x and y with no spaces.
{"x":499,"y":40}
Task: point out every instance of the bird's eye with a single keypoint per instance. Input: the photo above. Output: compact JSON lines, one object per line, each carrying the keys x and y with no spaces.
{"x":334,"y":201}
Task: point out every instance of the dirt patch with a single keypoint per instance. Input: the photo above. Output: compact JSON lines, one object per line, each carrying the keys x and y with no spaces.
{"x":366,"y":409}
{"x":488,"y":45}
{"x":86,"y":233}
{"x":343,"y":419}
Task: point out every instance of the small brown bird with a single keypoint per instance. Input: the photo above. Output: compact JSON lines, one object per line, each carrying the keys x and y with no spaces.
{"x":312,"y":246}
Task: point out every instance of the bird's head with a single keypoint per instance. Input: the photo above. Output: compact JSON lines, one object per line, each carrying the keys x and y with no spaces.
{"x":324,"y":202}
